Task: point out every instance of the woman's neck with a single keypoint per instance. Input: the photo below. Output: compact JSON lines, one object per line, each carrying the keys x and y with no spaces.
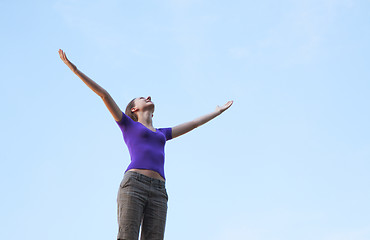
{"x":146,"y":118}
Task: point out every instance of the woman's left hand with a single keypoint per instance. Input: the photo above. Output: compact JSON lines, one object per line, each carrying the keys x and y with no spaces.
{"x":66,"y":61}
{"x":224,"y":107}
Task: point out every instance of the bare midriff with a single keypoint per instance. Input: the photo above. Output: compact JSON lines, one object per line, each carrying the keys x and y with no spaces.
{"x":148,"y":173}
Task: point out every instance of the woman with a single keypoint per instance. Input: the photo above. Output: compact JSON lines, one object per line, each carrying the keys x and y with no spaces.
{"x":142,"y":196}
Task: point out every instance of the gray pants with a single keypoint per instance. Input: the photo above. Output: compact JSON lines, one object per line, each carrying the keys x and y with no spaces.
{"x":141,"y":201}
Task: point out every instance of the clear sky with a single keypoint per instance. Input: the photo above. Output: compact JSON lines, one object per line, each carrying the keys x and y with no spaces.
{"x":289,"y":160}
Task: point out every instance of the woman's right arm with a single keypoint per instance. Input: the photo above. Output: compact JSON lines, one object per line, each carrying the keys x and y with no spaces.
{"x":108,"y":100}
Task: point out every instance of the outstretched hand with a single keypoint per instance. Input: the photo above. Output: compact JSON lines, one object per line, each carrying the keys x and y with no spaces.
{"x":224,"y":107}
{"x":65,"y":60}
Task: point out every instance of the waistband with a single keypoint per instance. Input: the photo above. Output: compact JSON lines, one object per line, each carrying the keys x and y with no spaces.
{"x":145,"y":179}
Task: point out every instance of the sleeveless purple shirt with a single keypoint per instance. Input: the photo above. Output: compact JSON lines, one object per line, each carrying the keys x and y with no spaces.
{"x":146,"y":147}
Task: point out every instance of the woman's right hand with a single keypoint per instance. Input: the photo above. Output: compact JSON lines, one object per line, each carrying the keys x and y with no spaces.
{"x":224,"y":107}
{"x":66,"y":61}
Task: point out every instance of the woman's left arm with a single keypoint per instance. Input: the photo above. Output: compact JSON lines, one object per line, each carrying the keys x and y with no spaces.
{"x":188,"y":126}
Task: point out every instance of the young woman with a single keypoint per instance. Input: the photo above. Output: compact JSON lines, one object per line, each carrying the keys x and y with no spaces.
{"x":142,"y":196}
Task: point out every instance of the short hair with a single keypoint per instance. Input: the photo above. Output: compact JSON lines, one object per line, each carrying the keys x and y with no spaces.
{"x":128,"y":111}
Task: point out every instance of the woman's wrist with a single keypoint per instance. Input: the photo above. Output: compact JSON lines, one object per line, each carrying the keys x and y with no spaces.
{"x":72,"y":67}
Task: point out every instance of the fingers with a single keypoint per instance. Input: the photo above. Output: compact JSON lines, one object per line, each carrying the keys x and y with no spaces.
{"x":227,"y":105}
{"x":63,"y":55}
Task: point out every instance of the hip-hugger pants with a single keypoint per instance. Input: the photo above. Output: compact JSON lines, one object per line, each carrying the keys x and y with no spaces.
{"x":141,"y":201}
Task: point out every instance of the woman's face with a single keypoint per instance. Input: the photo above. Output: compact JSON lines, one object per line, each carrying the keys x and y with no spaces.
{"x":143,"y":103}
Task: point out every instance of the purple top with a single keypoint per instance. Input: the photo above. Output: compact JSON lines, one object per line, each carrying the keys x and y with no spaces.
{"x":145,"y":146}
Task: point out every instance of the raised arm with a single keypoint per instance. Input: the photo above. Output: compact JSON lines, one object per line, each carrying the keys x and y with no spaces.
{"x":101,"y":92}
{"x":188,"y":126}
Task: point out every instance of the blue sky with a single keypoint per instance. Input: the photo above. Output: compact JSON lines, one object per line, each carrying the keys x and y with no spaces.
{"x":289,"y":160}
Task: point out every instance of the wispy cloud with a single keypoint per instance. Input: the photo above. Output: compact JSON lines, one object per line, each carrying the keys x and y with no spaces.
{"x":298,"y":36}
{"x":92,"y":21}
{"x":239,"y":52}
{"x":354,"y":234}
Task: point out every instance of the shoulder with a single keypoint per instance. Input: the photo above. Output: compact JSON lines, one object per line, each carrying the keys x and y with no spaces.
{"x":124,"y":120}
{"x":167,"y":132}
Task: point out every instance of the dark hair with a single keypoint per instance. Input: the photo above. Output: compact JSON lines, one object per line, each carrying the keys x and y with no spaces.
{"x":128,"y":111}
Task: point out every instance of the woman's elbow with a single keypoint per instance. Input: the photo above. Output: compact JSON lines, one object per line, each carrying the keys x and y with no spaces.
{"x":104,"y":94}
